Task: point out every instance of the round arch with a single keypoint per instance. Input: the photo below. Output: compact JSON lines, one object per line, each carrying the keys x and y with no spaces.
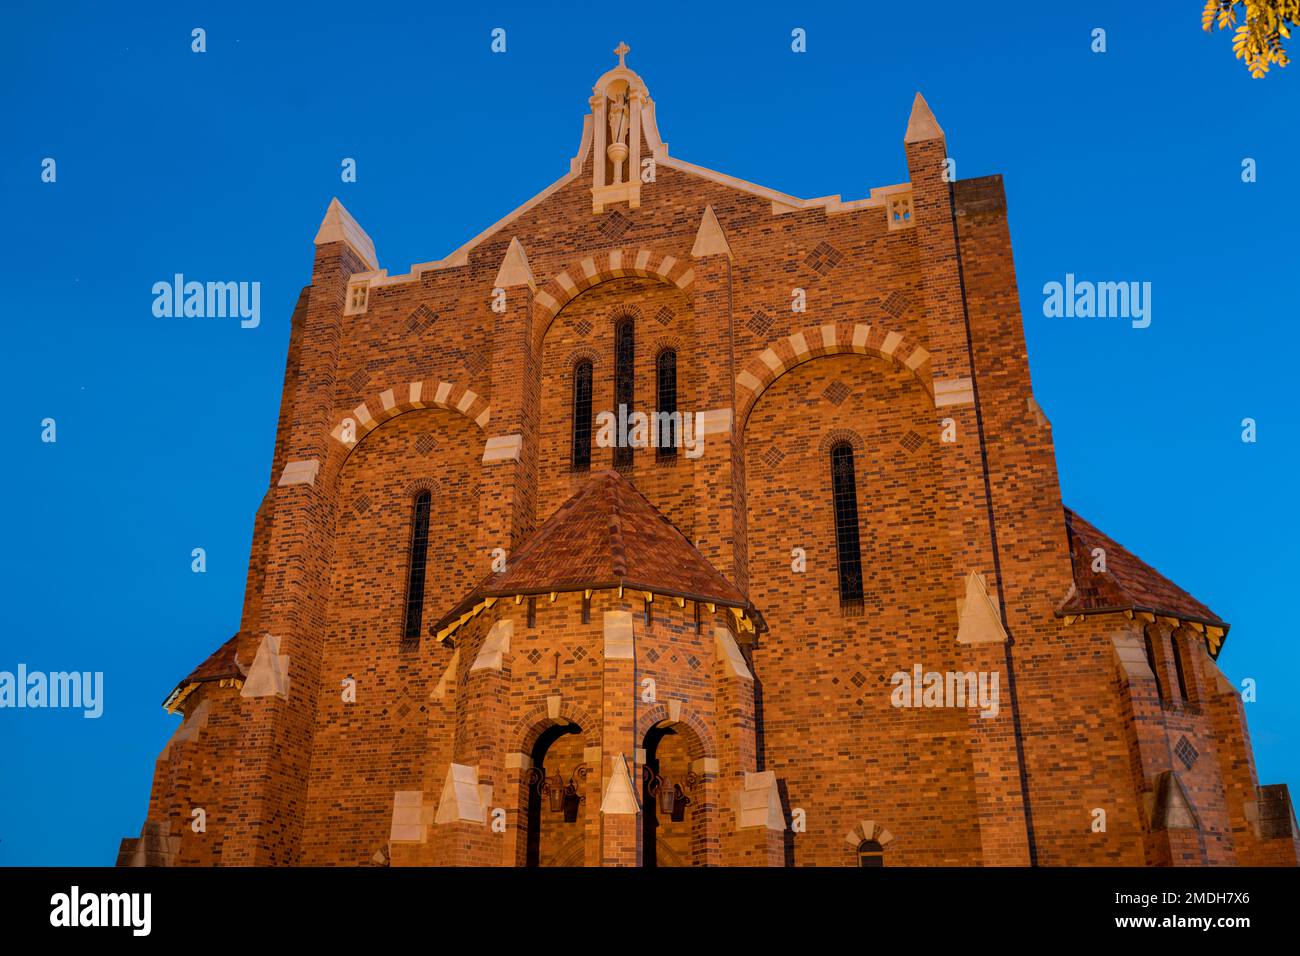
{"x":762,"y":370}
{"x":542,"y":717}
{"x":577,"y":277}
{"x":867,"y":831}
{"x":694,"y":731}
{"x":351,"y":427}
{"x":679,"y":816}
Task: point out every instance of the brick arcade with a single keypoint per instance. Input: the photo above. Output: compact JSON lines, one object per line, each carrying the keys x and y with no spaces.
{"x":474,"y":635}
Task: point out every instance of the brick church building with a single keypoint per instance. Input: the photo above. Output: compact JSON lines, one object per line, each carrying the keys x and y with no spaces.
{"x":674,"y":520}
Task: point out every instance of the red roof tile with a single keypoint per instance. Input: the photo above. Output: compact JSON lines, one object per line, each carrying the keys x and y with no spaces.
{"x":1129,"y":583}
{"x":220,"y":664}
{"x":605,"y":536}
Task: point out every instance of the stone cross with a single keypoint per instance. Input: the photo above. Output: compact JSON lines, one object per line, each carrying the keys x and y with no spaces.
{"x":621,"y":51}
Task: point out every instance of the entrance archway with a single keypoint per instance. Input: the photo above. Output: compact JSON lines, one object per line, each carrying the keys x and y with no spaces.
{"x":556,"y":797}
{"x":670,"y":791}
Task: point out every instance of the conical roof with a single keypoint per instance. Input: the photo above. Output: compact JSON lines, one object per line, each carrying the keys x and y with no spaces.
{"x":221,"y":664}
{"x":1128,"y":583}
{"x":606,"y":536}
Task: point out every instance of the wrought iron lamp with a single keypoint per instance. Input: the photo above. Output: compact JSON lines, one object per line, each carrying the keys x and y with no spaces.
{"x":670,"y":796}
{"x":562,"y":797}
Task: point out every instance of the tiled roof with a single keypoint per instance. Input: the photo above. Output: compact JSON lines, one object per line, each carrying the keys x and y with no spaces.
{"x":605,"y":536}
{"x":1128,"y":583}
{"x":220,"y":664}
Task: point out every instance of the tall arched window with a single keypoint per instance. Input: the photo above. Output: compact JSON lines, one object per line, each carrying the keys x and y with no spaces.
{"x":582,"y":417}
{"x":624,"y":392}
{"x":416,"y":565}
{"x":871,"y":853}
{"x":666,"y":434}
{"x":844,"y":492}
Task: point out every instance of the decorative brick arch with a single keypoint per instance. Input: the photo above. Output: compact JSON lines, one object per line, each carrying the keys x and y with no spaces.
{"x":534,"y":723}
{"x":578,"y":277}
{"x":583,"y":353}
{"x":392,"y":402}
{"x":417,"y":485}
{"x":837,"y":435}
{"x":867,"y":830}
{"x":668,"y":340}
{"x":815,"y":341}
{"x":699,"y":740}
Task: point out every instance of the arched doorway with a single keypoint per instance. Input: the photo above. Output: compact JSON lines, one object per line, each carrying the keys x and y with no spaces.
{"x":557,"y":797}
{"x":669,"y":793}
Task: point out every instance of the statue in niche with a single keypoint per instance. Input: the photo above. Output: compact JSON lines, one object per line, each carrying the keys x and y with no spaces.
{"x":619,"y":115}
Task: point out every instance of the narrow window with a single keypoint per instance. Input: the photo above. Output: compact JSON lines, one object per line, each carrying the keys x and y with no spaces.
{"x":624,"y":395}
{"x":666,"y":405}
{"x":532,"y":612}
{"x":1151,"y":660}
{"x":871,"y":853}
{"x":582,"y":417}
{"x":417,"y":565}
{"x":845,"y":494}
{"x":1178,"y":667}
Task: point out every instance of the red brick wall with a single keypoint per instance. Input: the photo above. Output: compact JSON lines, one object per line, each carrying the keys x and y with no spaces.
{"x":829,"y":728}
{"x":312,"y":780}
{"x":367,"y":749}
{"x":669,"y":487}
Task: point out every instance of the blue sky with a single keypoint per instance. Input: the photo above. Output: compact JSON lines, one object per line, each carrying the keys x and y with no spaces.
{"x":1122,"y":165}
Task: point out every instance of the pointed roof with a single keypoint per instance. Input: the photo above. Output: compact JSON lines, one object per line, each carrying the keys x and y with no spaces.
{"x":1128,"y":583}
{"x":221,"y":664}
{"x":339,"y":226}
{"x":921,"y":125}
{"x":607,"y":536}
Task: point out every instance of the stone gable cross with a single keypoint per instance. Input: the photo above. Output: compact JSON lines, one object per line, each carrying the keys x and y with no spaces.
{"x":621,"y":51}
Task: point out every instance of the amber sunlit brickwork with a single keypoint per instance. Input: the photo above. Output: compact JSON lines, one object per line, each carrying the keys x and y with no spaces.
{"x":482,"y":629}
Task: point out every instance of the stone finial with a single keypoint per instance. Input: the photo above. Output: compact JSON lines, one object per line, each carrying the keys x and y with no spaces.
{"x":269,"y":675}
{"x":1131,"y":653}
{"x":921,"y":125}
{"x":514,"y":268}
{"x":299,"y":473}
{"x":339,"y":226}
{"x":730,"y":655}
{"x":758,"y":804}
{"x":462,"y":798}
{"x":710,"y":240}
{"x":619,"y":797}
{"x":979,"y":621}
{"x":1172,"y":808}
{"x":495,"y":646}
{"x":410,"y":817}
